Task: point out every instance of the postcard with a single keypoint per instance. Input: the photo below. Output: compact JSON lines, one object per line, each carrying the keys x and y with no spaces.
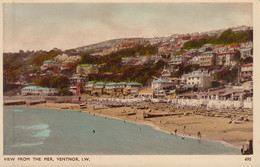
{"x":118,"y":83}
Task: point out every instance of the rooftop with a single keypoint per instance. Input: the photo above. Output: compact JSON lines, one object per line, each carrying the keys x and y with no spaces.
{"x":31,"y":87}
{"x":161,"y":81}
{"x":133,"y":84}
{"x":86,"y":65}
{"x":248,"y":65}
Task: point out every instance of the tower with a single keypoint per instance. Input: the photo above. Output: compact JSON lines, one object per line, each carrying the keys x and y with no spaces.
{"x":79,"y":86}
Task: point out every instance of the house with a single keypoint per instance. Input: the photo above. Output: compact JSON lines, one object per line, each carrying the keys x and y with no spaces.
{"x":98,"y":88}
{"x":133,"y":88}
{"x":207,"y":59}
{"x":65,"y":57}
{"x":86,"y":69}
{"x":248,"y":86}
{"x":248,"y":44}
{"x":206,"y":48}
{"x":199,"y":78}
{"x":154,"y":41}
{"x":220,"y":49}
{"x":127,"y":45}
{"x":165,"y":73}
{"x":193,"y":51}
{"x":194,"y":60}
{"x":120,"y":85}
{"x":109,"y":88}
{"x":50,"y":65}
{"x":177,"y":60}
{"x":161,"y":87}
{"x":246,"y":73}
{"x":146,"y":93}
{"x":40,"y":91}
{"x":89,"y":87}
{"x":197,"y":37}
{"x":178,"y":46}
{"x":125,"y":59}
{"x":225,"y":59}
{"x":247,"y":52}
{"x":184,"y":38}
{"x":234,"y":47}
{"x":67,"y":68}
{"x":240,"y":28}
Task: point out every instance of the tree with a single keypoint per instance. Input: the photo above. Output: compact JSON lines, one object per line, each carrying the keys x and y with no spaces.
{"x":225,"y":37}
{"x":44,"y":82}
{"x":214,"y":84}
{"x":246,"y":60}
{"x":237,"y":55}
{"x":65,"y":92}
{"x":60,"y":82}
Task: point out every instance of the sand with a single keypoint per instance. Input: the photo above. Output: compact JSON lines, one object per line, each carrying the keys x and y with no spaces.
{"x":217,"y":128}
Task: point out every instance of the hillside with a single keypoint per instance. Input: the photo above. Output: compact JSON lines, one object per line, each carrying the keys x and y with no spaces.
{"x":227,"y":37}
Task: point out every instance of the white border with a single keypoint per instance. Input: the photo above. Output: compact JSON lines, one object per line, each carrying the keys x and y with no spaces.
{"x":155,"y":160}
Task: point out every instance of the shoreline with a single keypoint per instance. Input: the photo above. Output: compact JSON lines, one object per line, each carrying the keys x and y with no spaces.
{"x":165,"y":124}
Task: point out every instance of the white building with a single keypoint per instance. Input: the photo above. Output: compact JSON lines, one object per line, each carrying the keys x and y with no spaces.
{"x":247,"y":52}
{"x":161,"y":87}
{"x":194,"y":60}
{"x":37,"y":90}
{"x":248,"y":44}
{"x":199,"y":78}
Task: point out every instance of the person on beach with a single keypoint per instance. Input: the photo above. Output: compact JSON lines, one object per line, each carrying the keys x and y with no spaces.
{"x":184,"y":127}
{"x":94,"y":131}
{"x":175,"y":131}
{"x":199,"y":135}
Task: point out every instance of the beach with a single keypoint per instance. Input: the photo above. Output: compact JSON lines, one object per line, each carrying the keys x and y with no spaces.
{"x":213,"y":125}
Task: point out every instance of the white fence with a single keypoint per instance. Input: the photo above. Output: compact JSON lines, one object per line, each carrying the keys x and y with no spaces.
{"x":213,"y":104}
{"x":206,"y":103}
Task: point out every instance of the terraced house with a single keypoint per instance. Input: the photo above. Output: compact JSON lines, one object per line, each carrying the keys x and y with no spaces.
{"x":112,"y":89}
{"x":37,"y":90}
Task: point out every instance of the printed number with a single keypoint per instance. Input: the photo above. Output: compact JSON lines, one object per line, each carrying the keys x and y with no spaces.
{"x":248,"y":159}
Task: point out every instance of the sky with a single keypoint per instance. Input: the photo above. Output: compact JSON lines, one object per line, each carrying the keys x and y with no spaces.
{"x":29,"y":26}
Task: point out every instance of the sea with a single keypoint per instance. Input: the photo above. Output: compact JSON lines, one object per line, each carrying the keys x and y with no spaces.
{"x":40,"y":131}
